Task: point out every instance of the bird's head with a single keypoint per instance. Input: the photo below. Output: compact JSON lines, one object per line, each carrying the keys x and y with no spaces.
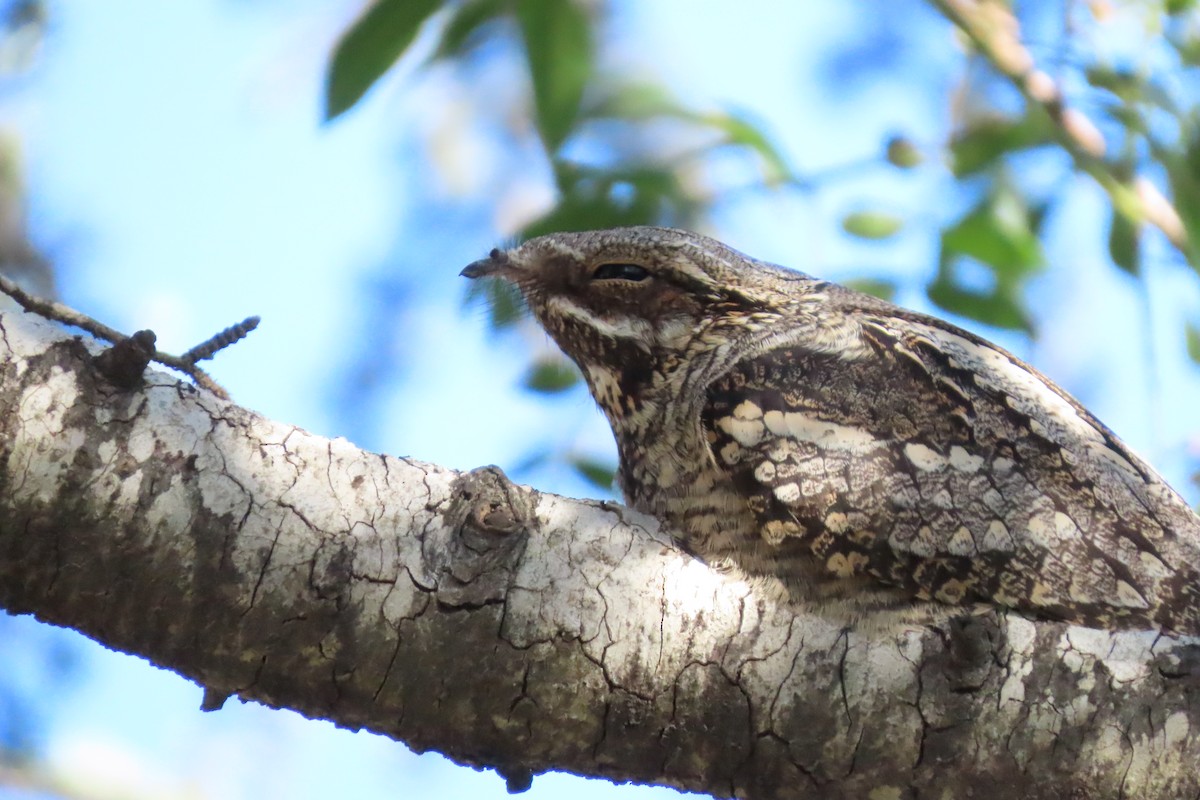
{"x":633,"y":304}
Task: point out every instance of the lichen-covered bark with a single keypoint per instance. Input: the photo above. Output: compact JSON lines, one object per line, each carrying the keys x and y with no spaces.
{"x":508,"y":628}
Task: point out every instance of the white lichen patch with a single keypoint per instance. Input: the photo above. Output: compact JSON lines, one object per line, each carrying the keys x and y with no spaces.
{"x":220,"y":494}
{"x":43,"y":449}
{"x":1022,"y":637}
{"x":106,"y":451}
{"x":1176,"y":729}
{"x":141,"y":443}
{"x":129,"y":489}
{"x":171,"y":510}
{"x":1126,"y":656}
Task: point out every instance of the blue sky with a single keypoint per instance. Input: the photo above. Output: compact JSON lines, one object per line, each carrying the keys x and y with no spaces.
{"x":180,"y":179}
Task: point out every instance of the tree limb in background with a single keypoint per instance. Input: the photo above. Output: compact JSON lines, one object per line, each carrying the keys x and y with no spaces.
{"x":994,"y":30}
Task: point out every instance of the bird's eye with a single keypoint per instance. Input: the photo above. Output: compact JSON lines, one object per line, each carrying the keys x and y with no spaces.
{"x":620,"y":272}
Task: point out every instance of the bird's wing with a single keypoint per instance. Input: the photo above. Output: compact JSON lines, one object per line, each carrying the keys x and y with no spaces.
{"x":936,"y":462}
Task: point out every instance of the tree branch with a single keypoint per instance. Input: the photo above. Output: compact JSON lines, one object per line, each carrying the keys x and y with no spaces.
{"x":995,"y":32}
{"x":507,"y":628}
{"x":185,"y":363}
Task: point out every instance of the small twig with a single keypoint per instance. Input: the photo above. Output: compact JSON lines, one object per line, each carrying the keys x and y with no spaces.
{"x":220,"y":341}
{"x":993,"y":29}
{"x":57,"y":311}
{"x":120,"y":364}
{"x":202,"y":378}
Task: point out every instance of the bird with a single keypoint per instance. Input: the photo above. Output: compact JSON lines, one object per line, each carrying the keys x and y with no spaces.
{"x":865,"y":462}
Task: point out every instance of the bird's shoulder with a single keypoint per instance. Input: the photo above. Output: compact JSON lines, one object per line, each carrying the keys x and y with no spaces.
{"x":934,"y":460}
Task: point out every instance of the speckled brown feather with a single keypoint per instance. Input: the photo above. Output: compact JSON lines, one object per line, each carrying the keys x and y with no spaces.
{"x":864,"y":460}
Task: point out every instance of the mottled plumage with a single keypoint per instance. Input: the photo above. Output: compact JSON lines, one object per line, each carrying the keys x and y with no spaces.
{"x":877,"y":462}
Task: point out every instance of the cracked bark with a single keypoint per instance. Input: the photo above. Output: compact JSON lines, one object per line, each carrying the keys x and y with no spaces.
{"x":506,"y":628}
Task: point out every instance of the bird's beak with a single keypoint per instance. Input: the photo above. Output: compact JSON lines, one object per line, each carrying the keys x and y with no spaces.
{"x":496,"y":261}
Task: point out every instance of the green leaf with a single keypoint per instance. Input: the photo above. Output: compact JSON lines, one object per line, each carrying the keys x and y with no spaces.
{"x":1187,"y":45}
{"x":988,"y":140}
{"x":1183,"y":174}
{"x":1130,"y":117}
{"x":740,"y":131}
{"x":1121,"y":81}
{"x":1123,"y":241}
{"x":872,"y":224}
{"x":1129,"y":86}
{"x":1000,"y":234}
{"x":372,"y":44}
{"x":1193,"y":342}
{"x":559,"y":50}
{"x":597,"y":473}
{"x":465,"y":23}
{"x":876,"y":287}
{"x":636,"y":101}
{"x":995,"y":308}
{"x":551,"y":375}
{"x":999,"y":231}
{"x":594,"y":199}
{"x":902,"y":153}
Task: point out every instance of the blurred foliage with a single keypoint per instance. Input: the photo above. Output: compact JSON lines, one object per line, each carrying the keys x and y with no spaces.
{"x":876,"y":287}
{"x":37,"y":662}
{"x":370,"y":47}
{"x":872,"y":224}
{"x":550,"y":375}
{"x":1000,"y":233}
{"x":1134,"y":127}
{"x":22,"y":29}
{"x":598,"y":473}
